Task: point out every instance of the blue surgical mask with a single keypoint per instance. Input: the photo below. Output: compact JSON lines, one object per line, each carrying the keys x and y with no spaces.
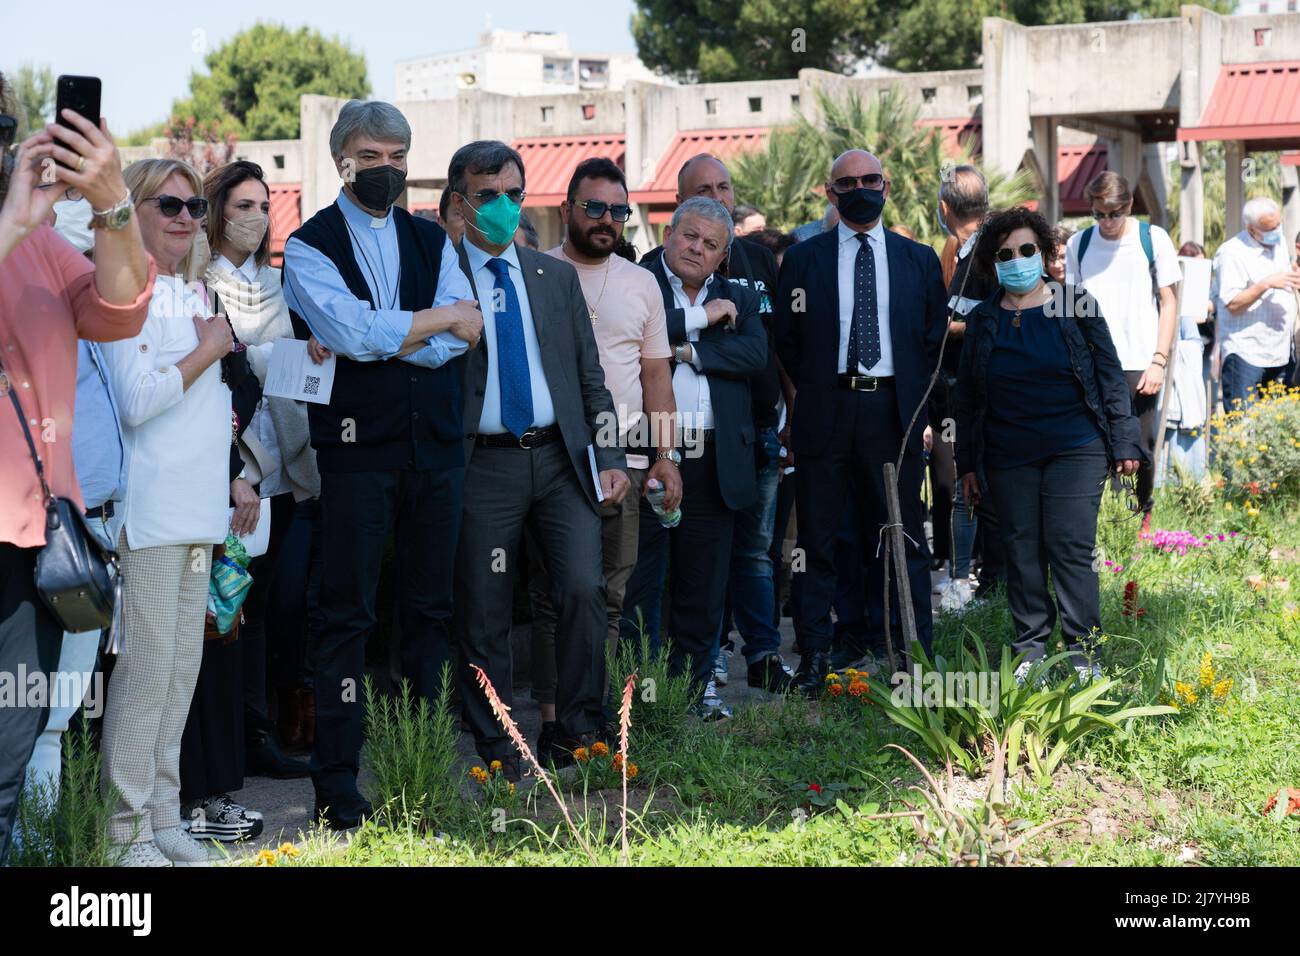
{"x":1271,"y":238}
{"x":1020,"y":275}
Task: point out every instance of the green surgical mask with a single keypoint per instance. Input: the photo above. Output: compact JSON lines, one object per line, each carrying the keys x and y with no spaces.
{"x":497,"y":220}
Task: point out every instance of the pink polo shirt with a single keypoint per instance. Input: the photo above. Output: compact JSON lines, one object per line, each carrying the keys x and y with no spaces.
{"x":48,"y":300}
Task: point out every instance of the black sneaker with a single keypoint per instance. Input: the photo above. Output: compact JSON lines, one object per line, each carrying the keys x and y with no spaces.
{"x":770,"y":673}
{"x":849,"y":653}
{"x":546,"y":742}
{"x":563,"y":751}
{"x":221,"y":819}
{"x":344,"y":817}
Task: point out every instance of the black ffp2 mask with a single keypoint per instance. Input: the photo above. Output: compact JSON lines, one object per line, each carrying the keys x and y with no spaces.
{"x":377,"y":187}
{"x":861,"y":206}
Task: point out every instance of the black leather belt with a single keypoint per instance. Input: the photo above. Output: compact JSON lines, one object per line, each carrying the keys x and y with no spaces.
{"x":863,"y":383}
{"x":697,"y":436}
{"x":533,"y":438}
{"x":101,"y":511}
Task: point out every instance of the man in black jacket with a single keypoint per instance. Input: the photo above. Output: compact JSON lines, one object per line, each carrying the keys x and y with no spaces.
{"x":718,"y":345}
{"x":751,"y":588}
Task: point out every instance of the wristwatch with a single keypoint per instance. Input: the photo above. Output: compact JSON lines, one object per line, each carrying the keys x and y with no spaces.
{"x":114,"y":217}
{"x":679,"y":351}
{"x":672,"y":455}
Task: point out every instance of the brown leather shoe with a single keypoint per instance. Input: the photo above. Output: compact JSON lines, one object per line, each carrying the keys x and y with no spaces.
{"x":307,"y":708}
{"x":290,"y":721}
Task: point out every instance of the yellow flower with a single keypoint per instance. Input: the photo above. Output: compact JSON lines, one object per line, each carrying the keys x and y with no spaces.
{"x":1222,"y":687}
{"x":598,"y":749}
{"x":1207,"y":670}
{"x":1252,"y":512}
{"x":510,"y":786}
{"x":851,"y":672}
{"x":1185,"y":692}
{"x":1227,"y":506}
{"x":289,"y":850}
{"x":478,"y":774}
{"x":494,"y":766}
{"x":265,"y":858}
{"x":832,"y":676}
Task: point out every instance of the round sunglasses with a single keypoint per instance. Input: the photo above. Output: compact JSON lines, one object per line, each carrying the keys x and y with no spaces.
{"x":619,"y":212}
{"x":171,"y":206}
{"x":1026,"y":251}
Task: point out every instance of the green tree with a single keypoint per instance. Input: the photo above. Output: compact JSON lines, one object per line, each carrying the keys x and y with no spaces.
{"x":726,"y":40}
{"x":1261,"y":176}
{"x":255,"y":78}
{"x":34,"y":92}
{"x":783,"y":179}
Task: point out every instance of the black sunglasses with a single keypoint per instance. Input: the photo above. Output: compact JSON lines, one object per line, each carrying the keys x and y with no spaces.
{"x":487,"y":195}
{"x":1117,"y":214}
{"x":869,"y":181}
{"x":8,"y":128}
{"x":619,"y":211}
{"x":1026,"y":251}
{"x":170,"y":206}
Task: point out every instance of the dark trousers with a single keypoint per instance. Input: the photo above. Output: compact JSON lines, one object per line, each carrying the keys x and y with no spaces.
{"x":1145,"y":409}
{"x":358,"y":510}
{"x":1048,"y":515}
{"x":943,"y":481}
{"x":784,"y":509}
{"x":511,"y":488}
{"x":867,"y":434}
{"x":263,"y":636}
{"x":1240,"y":380}
{"x":30,"y":638}
{"x":699,"y":559}
{"x":292,"y":613}
{"x":212,"y":744}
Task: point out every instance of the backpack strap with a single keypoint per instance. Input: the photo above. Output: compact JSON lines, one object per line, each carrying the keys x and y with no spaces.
{"x":1144,"y":236}
{"x":1084,"y":239}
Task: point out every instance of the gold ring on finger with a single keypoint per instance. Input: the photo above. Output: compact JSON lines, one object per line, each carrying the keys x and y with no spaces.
{"x":81,"y":164}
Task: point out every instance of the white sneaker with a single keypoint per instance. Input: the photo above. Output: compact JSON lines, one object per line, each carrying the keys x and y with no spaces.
{"x":181,"y":848}
{"x":145,"y":853}
{"x":712,"y":706}
{"x":939,"y":586}
{"x":955,"y":595}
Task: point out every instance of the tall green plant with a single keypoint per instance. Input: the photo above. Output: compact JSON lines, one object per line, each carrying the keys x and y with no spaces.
{"x":783,"y":178}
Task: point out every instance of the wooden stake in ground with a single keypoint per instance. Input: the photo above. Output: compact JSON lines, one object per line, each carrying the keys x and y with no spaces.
{"x":898,"y":547}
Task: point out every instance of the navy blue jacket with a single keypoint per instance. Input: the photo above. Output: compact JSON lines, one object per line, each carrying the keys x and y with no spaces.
{"x":808,"y":331}
{"x":1092,"y":356}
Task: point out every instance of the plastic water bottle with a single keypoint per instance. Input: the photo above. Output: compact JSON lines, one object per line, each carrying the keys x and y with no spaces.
{"x":655,"y":492}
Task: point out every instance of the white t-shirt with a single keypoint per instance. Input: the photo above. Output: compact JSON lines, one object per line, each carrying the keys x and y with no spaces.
{"x":1117,"y":274}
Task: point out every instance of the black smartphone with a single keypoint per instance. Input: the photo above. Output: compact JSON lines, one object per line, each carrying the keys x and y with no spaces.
{"x":79,"y":94}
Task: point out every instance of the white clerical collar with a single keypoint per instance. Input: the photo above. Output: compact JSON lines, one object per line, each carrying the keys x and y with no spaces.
{"x":358,"y":216}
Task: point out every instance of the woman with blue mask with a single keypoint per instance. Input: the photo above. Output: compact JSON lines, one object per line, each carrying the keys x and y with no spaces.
{"x":1043,"y":417}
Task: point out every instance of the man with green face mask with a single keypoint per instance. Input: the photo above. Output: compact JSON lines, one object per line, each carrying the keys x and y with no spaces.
{"x":535,"y":400}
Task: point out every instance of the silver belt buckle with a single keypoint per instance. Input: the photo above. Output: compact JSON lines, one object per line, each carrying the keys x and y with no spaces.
{"x":526,"y":438}
{"x":862,"y":380}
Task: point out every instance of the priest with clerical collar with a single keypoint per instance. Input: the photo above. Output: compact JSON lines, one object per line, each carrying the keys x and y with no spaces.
{"x":381,"y":291}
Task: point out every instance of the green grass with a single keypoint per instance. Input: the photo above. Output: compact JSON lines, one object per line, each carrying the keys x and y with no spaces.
{"x":1162,"y":791}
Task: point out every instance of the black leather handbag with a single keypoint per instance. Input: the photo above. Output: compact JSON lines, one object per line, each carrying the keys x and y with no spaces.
{"x":77,"y":577}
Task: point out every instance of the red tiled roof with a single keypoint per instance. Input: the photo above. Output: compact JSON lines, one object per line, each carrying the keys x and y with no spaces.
{"x":550,"y":160}
{"x":286,"y":216}
{"x":1076,"y":166}
{"x":958,"y":132}
{"x":722,"y":143}
{"x":1254,"y":102}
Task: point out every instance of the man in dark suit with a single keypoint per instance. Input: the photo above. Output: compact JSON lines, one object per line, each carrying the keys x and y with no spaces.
{"x":751,"y":591}
{"x":859,"y":318}
{"x":535,"y":399}
{"x":718,"y":343}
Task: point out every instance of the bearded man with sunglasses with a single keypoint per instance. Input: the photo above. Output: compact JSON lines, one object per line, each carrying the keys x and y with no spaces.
{"x":627,"y":318}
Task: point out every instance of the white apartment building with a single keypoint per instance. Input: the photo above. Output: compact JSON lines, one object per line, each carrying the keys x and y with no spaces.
{"x":517,"y":63}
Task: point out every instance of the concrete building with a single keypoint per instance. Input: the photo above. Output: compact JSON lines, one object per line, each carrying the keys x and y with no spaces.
{"x":1064,"y":102}
{"x":519,"y":62}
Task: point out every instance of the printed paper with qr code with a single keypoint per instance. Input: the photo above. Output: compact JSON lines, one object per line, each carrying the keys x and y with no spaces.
{"x":292,"y":374}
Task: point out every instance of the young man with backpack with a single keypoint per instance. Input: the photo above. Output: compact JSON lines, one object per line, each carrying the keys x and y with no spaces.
{"x":1130,"y":267}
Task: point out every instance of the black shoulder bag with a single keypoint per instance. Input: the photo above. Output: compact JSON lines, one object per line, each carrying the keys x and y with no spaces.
{"x":77,"y":578}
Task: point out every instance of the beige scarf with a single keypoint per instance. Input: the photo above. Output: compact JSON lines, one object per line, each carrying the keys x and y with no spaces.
{"x":257,"y":310}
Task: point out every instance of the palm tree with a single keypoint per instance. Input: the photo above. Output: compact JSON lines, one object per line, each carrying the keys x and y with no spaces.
{"x":783,"y":178}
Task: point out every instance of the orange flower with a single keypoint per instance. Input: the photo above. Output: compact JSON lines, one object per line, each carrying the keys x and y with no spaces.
{"x":478,"y":774}
{"x":494,"y":766}
{"x":1292,"y":801}
{"x":598,"y":749}
{"x":858,"y":688}
{"x":835,"y":690}
{"x":581,"y":755}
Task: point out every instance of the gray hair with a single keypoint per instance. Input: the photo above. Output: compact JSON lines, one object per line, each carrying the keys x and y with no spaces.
{"x":1257,"y":208}
{"x":481,"y":156}
{"x":705,"y":208}
{"x":373,"y":118}
{"x":965,"y":192}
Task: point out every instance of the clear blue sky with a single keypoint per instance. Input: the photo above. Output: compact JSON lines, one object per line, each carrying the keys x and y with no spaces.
{"x":145,"y":60}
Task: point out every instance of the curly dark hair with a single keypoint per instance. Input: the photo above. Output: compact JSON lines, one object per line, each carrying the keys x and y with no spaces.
{"x":1000,"y":224}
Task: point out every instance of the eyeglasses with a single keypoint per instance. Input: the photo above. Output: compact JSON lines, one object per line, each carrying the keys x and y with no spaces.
{"x":8,"y":129}
{"x":619,"y":211}
{"x":1026,"y":251}
{"x":487,"y":195}
{"x":869,"y":181}
{"x":1102,"y":216}
{"x":170,"y":206}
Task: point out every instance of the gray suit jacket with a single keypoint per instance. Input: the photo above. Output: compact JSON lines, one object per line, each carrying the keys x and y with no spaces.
{"x":570,"y":359}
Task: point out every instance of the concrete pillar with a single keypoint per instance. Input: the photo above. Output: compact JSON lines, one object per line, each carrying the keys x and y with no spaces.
{"x":1154,"y":182}
{"x":1191,"y":194}
{"x":1006,"y":132}
{"x":1290,"y":203}
{"x":1044,"y":151}
{"x":1234,"y":154}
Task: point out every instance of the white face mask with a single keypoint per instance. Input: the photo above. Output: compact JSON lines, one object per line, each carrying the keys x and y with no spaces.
{"x":245,"y":233}
{"x":72,"y":222}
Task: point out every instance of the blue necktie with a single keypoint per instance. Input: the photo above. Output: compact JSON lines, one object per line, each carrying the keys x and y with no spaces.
{"x":864,"y":331}
{"x":512,"y":357}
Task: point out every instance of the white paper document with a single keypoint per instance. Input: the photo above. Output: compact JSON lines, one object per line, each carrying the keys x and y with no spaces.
{"x":292,"y":374}
{"x":1196,"y":287}
{"x":595,"y":472}
{"x":257,"y":542}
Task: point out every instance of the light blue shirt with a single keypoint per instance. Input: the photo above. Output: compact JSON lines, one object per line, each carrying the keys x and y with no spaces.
{"x":848,"y":257}
{"x":489,"y":422}
{"x":98,"y":452}
{"x":352,"y":327}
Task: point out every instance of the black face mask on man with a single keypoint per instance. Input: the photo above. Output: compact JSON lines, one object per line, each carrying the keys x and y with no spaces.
{"x":861,"y":206}
{"x":377,"y":187}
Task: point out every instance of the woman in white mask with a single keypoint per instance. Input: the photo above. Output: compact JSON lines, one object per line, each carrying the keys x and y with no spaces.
{"x":280,"y":464}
